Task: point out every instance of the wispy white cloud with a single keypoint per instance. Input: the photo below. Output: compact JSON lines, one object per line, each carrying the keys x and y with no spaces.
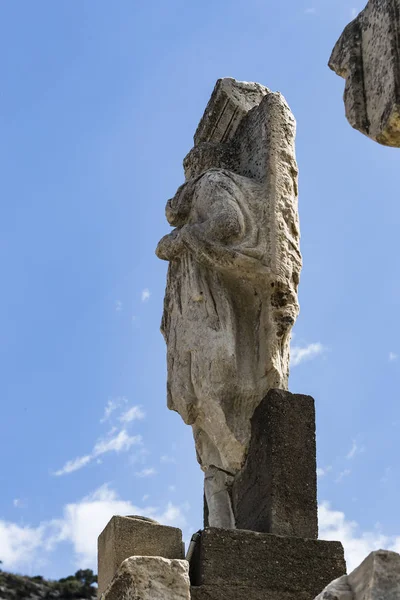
{"x":333,"y":525}
{"x":112,"y":405}
{"x":342,"y":475}
{"x":74,"y":465}
{"x":121,"y":442}
{"x":393,"y":357}
{"x":167,"y":459}
{"x":145,"y":295}
{"x":301,"y":354}
{"x":354,"y":450}
{"x":353,"y":13}
{"x":147,"y":472}
{"x":18,"y":503}
{"x":132,"y":414}
{"x":118,"y":306}
{"x":387,"y":475}
{"x":310,"y":11}
{"x":25,"y":548}
{"x":140,"y":456}
{"x":322,"y":471}
{"x":172,"y":488}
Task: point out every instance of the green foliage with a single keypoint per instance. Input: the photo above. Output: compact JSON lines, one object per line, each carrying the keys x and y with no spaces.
{"x":74,"y":587}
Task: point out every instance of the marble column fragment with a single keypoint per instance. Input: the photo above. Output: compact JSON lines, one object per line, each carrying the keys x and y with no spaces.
{"x":367,"y":56}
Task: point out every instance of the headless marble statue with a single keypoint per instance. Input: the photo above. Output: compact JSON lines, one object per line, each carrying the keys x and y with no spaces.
{"x":231,"y":296}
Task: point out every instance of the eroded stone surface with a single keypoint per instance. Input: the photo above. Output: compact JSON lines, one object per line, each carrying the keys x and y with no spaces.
{"x":231,"y":297}
{"x":377,"y":578}
{"x":242,"y":565}
{"x":150,"y":578}
{"x":339,"y":589}
{"x":276,"y":491}
{"x":128,"y":536}
{"x":367,"y":55}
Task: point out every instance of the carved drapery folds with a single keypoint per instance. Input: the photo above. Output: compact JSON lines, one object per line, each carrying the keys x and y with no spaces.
{"x":231,"y":296}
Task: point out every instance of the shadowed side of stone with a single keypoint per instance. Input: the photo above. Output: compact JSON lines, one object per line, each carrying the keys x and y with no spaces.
{"x":276,"y":491}
{"x":234,"y":564}
{"x":230,"y":101}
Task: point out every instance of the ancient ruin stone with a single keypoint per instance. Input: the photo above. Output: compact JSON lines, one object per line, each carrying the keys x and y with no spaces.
{"x":231,"y":297}
{"x":245,"y":565}
{"x":377,"y":578}
{"x":150,"y":578}
{"x":367,"y":55}
{"x":276,"y":491}
{"x":131,"y":536}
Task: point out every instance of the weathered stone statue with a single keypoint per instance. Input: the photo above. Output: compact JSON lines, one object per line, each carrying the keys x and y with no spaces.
{"x":367,"y":55}
{"x":231,"y":296}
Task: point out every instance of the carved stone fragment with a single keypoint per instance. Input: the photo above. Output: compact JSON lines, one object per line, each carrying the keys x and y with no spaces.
{"x":150,"y":578}
{"x":231,"y":297}
{"x":377,"y":578}
{"x":367,"y":55}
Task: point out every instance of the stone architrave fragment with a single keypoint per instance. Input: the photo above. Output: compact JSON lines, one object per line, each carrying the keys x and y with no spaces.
{"x":367,"y":55}
{"x":129,"y":536}
{"x":244,"y":565}
{"x":150,"y":578}
{"x":377,"y":578}
{"x":276,"y":491}
{"x":231,"y":297}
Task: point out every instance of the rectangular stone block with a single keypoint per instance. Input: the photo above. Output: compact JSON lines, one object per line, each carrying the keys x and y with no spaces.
{"x":239,"y":565}
{"x":276,"y":491}
{"x":124,"y":537}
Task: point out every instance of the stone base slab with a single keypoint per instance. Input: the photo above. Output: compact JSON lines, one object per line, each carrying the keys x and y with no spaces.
{"x":245,"y":565}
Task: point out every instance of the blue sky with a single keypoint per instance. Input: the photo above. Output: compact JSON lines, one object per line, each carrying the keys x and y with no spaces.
{"x":98,"y":106}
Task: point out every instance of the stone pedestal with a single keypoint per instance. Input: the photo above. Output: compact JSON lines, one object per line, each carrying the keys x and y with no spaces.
{"x":124,"y":537}
{"x":245,"y":565}
{"x":276,"y":491}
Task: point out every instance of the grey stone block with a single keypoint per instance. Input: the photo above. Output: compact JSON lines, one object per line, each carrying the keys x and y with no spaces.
{"x":276,"y":491}
{"x":238,"y":565}
{"x":124,"y":537}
